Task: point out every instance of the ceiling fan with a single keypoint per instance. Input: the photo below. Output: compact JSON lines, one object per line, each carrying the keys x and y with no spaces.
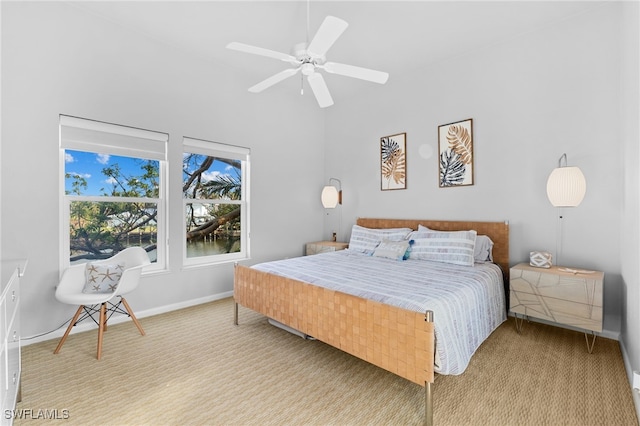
{"x":308,"y":58}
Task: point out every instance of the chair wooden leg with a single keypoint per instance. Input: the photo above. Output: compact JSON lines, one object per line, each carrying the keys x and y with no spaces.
{"x":66,"y":334}
{"x":133,"y":317}
{"x":101,"y":326}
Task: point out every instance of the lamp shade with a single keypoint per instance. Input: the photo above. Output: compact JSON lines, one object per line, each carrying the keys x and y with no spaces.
{"x":566,"y":187}
{"x":330,"y":197}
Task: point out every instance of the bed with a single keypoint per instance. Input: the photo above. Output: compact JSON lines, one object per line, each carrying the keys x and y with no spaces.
{"x":399,"y":335}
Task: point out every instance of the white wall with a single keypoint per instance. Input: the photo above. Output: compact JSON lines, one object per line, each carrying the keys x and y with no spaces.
{"x":630,"y":224}
{"x":1,"y":139}
{"x":57,"y":59}
{"x":531,"y":98}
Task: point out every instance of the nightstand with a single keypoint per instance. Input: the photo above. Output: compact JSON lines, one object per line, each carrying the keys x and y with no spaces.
{"x":565,"y":296}
{"x":324,"y":246}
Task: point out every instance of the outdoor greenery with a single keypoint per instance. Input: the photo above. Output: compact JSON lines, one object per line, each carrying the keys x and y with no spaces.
{"x":210,"y":215}
{"x":129,"y":216}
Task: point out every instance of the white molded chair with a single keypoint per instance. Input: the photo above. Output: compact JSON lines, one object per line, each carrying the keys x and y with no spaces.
{"x":71,"y":284}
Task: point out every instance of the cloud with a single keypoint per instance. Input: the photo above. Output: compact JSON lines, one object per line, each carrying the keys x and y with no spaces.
{"x":68,"y":158}
{"x":208,"y":176}
{"x":111,"y":180}
{"x":81,"y":175}
{"x":102,"y":158}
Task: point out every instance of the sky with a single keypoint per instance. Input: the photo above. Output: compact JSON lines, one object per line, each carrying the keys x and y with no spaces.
{"x":89,"y":166}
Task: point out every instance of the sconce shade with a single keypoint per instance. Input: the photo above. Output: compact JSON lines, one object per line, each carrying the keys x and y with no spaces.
{"x":566,"y":187}
{"x":330,"y":197}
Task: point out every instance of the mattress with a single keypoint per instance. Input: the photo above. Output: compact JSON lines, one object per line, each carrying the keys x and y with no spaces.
{"x":468,"y":302}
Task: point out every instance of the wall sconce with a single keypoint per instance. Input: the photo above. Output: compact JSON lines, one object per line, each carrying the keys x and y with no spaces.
{"x":331,"y":196}
{"x":566,"y":186}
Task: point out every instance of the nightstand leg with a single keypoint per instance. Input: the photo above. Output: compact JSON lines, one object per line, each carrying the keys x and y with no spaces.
{"x":593,"y":341}
{"x":519,"y":323}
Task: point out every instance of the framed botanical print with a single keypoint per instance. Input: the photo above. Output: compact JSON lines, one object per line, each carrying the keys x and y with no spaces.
{"x":455,"y":145}
{"x":393,"y":162}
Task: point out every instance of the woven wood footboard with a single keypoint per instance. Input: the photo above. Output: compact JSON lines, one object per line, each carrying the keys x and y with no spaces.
{"x":398,"y":340}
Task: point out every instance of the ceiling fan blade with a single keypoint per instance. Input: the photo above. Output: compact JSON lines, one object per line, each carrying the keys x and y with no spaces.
{"x":356,"y":72}
{"x":241,"y":47}
{"x":320,"y":90}
{"x":327,"y":34}
{"x":277,"y":78}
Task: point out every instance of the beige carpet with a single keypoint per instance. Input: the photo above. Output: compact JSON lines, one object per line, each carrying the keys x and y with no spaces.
{"x":194,"y":367}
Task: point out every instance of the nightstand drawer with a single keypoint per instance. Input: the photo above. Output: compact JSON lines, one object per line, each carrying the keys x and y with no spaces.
{"x":558,"y":296}
{"x":579,"y":315}
{"x":581,"y":288}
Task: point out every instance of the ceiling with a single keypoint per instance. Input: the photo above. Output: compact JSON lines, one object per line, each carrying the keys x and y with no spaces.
{"x":392,"y":36}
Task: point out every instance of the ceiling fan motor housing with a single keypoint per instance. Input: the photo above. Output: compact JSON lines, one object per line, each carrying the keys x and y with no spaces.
{"x":306,"y":60}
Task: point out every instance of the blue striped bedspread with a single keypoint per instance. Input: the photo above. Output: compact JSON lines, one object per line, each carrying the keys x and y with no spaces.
{"x":468,"y":302}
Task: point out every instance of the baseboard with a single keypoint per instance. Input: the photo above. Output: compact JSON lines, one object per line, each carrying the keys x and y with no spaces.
{"x":629,"y":370}
{"x":117,"y":319}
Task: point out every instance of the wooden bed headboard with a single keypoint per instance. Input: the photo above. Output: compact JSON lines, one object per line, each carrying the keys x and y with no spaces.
{"x":497,"y":231}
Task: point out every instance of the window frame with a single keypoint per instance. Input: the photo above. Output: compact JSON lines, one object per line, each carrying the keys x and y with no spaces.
{"x":219,"y":150}
{"x":106,"y":138}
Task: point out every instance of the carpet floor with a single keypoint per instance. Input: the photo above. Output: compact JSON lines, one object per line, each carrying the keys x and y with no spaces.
{"x":194,"y":367}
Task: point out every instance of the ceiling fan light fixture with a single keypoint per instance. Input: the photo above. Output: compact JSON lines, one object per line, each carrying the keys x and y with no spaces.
{"x":308,"y":68}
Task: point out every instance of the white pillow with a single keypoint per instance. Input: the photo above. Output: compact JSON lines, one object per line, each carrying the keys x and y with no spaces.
{"x":365,"y":240}
{"x":456,"y":247}
{"x":102,"y":278}
{"x":392,"y":249}
{"x":483,"y":251}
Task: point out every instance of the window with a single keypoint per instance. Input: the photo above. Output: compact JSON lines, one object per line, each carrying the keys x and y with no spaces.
{"x":215,"y":197}
{"x":113,"y":179}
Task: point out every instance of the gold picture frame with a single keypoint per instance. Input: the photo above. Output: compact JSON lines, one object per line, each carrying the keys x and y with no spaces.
{"x":455,"y":160}
{"x":393,"y":162}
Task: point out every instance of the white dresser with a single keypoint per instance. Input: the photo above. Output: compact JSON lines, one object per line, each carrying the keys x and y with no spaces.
{"x":11,"y":272}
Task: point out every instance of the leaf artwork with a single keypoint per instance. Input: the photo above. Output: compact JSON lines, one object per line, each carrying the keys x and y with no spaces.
{"x":460,"y":141}
{"x":393,"y":161}
{"x":455,"y":144}
{"x":452,"y":168}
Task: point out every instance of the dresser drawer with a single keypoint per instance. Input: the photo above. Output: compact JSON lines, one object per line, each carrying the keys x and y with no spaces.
{"x":12,"y":297}
{"x":3,"y":380}
{"x":12,"y":351}
{"x":10,"y":357}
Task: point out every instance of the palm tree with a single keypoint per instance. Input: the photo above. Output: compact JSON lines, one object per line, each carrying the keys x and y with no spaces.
{"x":199,"y":185}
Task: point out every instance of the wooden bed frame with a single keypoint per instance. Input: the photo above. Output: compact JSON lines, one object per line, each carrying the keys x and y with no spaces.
{"x":398,"y":340}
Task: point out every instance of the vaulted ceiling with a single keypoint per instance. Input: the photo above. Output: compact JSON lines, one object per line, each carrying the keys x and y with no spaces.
{"x":391,"y":36}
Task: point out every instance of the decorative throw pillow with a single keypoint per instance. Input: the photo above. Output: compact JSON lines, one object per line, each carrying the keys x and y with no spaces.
{"x":392,"y":249}
{"x":102,"y":278}
{"x":483,"y":251}
{"x":540,"y":259}
{"x":365,"y":240}
{"x":407,"y":253}
{"x":456,"y":247}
